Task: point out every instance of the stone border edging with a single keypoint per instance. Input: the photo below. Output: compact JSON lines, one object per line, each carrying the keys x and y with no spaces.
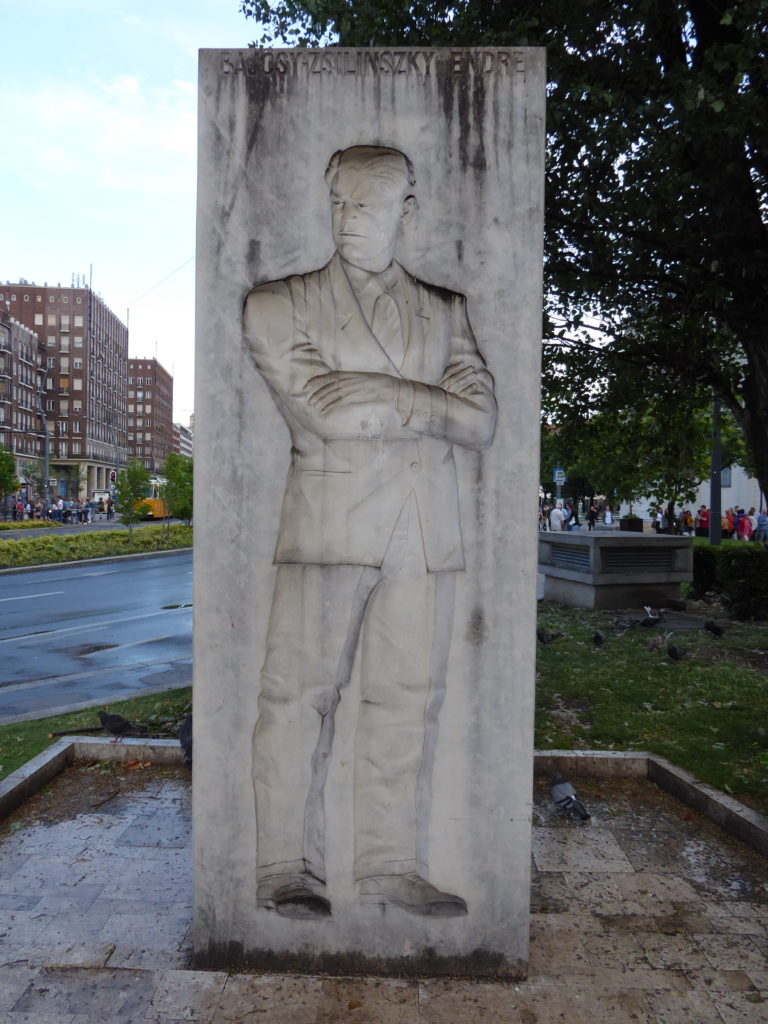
{"x":93,"y":561}
{"x":733,"y":817}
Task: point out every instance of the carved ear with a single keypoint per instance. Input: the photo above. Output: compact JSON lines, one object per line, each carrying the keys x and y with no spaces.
{"x":409,"y":207}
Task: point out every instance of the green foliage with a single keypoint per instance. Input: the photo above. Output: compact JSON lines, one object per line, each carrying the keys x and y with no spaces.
{"x":103,"y":544}
{"x":8,"y":480}
{"x":29,"y":524}
{"x":736,"y":571}
{"x":178,"y":491}
{"x":657,"y":185}
{"x":21,"y":741}
{"x":131,"y":487}
{"x":707,"y":713}
{"x":34,"y":474}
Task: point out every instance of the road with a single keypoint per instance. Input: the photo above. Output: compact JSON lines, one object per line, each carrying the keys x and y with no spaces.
{"x":79,"y":635}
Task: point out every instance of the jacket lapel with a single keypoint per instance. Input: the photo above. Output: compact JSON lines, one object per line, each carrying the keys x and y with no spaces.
{"x":355,"y":346}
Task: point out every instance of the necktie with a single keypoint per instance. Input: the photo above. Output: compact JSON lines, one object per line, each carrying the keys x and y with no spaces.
{"x":385,"y":324}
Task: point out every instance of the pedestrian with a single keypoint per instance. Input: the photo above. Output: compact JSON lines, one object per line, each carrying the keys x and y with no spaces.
{"x":573,"y":516}
{"x":110,"y":507}
{"x":608,"y":515}
{"x":702,"y":522}
{"x":761,"y":534}
{"x":556,"y":518}
{"x":591,"y":518}
{"x":100,"y":508}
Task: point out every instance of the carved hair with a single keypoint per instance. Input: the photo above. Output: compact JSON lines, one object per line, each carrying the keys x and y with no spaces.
{"x":382,"y":161}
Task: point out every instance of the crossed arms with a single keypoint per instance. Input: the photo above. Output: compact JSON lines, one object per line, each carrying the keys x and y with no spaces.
{"x":358,"y":405}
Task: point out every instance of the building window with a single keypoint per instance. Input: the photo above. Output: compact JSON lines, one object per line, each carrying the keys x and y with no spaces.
{"x":78,"y":341}
{"x":49,"y":405}
{"x":38,"y":319}
{"x":63,"y":426}
{"x":52,"y":319}
{"x":39,"y":298}
{"x":77,"y":364}
{"x":725,"y":476}
{"x":79,"y":301}
{"x":75,"y":447}
{"x":51,"y":341}
{"x":130,"y":380}
{"x":77,"y":383}
{"x":78,"y":318}
{"x":65,"y":299}
{"x":64,"y":321}
{"x":62,"y":449}
{"x":51,"y":361}
{"x":75,"y":426}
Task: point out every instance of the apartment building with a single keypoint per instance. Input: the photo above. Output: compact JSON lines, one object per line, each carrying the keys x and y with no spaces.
{"x":183,"y":440}
{"x":21,"y":424}
{"x":150,"y":413}
{"x":85,"y":358}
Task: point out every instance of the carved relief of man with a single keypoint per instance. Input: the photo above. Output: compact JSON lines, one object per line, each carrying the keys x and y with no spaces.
{"x":377,"y":375}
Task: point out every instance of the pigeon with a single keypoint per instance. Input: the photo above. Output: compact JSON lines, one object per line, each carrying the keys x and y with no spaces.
{"x":621,"y":625}
{"x":653,"y":613}
{"x":565,"y":799}
{"x":118,"y":726}
{"x":185,"y":738}
{"x":657,"y":642}
{"x":676,"y":653}
{"x":598,"y":638}
{"x":546,"y":637}
{"x":712,"y":627}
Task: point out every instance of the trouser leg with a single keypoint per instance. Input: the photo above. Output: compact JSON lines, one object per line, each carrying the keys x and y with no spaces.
{"x":405,"y":641}
{"x":311,"y":640}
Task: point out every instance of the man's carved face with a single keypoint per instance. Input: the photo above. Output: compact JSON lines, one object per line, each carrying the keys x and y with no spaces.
{"x":369,"y":201}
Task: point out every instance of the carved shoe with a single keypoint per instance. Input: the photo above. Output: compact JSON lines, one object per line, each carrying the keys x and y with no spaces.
{"x":412,"y":893}
{"x":292,"y":896}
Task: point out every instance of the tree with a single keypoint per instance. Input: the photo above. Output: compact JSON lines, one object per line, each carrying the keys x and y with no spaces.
{"x":656,"y":242}
{"x":8,"y":480}
{"x":131,"y":487}
{"x":177,"y":494}
{"x":34,"y":474}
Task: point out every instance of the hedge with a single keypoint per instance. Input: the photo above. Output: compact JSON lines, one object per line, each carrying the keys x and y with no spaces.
{"x":737,"y":572}
{"x":77,"y":546}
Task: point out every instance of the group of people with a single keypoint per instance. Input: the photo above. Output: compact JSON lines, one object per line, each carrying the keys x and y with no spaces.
{"x":736,"y":523}
{"x":59,"y":511}
{"x":566,"y":517}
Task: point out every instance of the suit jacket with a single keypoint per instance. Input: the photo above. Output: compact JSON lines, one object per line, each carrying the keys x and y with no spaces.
{"x":353,"y":467}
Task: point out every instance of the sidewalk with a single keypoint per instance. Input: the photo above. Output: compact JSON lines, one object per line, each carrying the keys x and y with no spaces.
{"x":648,"y":914}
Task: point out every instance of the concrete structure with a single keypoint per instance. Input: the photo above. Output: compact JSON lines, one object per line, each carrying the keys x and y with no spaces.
{"x":613,"y":570}
{"x":380,"y":212}
{"x":86,"y":355}
{"x":150,"y":413}
{"x":21,"y":377}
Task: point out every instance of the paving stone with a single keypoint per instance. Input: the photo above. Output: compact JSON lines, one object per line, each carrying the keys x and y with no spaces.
{"x":695,"y":1007}
{"x":258,"y":999}
{"x":65,"y":954}
{"x":741,"y":1007}
{"x":156,"y":831}
{"x":459,"y":1002}
{"x":188,"y":995}
{"x":38,"y":1018}
{"x":13,"y":981}
{"x":115,"y":995}
{"x":15,"y":901}
{"x":673,"y":952}
{"x":583,"y":849}
{"x":618,"y":950}
{"x":725,"y":920}
{"x":386,"y":1001}
{"x":85,"y":927}
{"x":574,"y":1004}
{"x":731,"y":952}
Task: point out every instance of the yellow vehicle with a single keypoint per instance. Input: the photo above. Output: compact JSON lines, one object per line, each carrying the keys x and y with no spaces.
{"x":153,"y":505}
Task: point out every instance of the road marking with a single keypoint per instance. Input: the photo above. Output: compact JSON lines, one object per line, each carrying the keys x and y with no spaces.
{"x":78,"y":576}
{"x":83,"y":627}
{"x":28,"y":597}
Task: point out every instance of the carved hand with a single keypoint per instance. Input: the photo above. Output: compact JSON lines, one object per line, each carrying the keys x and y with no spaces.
{"x":459,"y":379}
{"x":350,"y":387}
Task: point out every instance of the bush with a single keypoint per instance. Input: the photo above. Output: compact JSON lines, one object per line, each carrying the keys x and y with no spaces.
{"x":742,"y":578}
{"x":737,"y":571}
{"x":77,"y":546}
{"x":28,"y":524}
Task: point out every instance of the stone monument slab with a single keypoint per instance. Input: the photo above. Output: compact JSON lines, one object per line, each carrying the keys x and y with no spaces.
{"x":368,"y":335}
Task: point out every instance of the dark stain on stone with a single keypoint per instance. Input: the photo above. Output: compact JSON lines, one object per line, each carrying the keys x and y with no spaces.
{"x":477,"y":964}
{"x":476,"y":630}
{"x":93,"y":648}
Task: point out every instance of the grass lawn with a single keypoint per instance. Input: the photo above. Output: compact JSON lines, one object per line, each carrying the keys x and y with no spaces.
{"x":707,"y":713}
{"x":160,"y":712}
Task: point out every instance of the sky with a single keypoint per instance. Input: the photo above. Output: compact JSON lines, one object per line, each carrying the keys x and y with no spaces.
{"x":98,"y":157}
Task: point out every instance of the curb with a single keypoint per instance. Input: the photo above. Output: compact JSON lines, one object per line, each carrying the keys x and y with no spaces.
{"x":733,"y":817}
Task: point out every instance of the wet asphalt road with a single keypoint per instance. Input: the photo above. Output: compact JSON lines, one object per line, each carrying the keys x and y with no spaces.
{"x":82,"y":635}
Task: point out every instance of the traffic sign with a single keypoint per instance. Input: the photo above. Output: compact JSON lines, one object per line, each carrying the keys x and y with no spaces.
{"x":560,"y":476}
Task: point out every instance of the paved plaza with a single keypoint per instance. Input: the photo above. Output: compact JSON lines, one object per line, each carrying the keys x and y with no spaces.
{"x":646,"y":915}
